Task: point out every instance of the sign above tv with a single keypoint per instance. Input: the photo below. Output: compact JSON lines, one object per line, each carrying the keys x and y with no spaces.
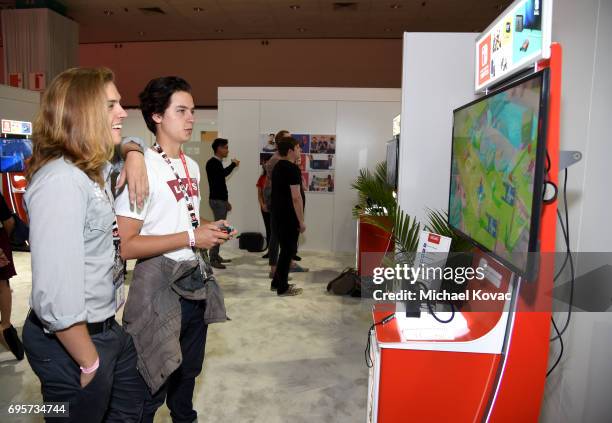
{"x":517,"y":39}
{"x":16,"y":127}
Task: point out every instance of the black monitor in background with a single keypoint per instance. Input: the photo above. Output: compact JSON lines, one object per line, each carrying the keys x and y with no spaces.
{"x":497,"y":171}
{"x":392,"y":161}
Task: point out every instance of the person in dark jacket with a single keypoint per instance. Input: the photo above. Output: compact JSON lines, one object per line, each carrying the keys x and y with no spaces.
{"x":218,"y":198}
{"x":8,"y":334}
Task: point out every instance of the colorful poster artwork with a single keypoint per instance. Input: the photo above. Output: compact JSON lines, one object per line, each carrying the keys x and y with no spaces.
{"x":323,"y":144}
{"x":321,"y":161}
{"x":266,"y":143}
{"x":303,"y":163}
{"x":317,"y":162}
{"x":304,"y":141}
{"x":321,"y":182}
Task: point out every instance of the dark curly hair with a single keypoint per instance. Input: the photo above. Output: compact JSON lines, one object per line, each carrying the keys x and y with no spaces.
{"x":155,"y":98}
{"x":285,"y":144}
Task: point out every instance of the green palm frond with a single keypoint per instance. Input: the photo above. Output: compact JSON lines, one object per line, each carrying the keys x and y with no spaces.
{"x":438,"y":223}
{"x":406,"y":231}
{"x":375,"y":194}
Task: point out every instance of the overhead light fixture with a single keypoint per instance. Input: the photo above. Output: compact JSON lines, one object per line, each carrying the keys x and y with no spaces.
{"x":387,"y":29}
{"x":141,"y":33}
{"x":198,"y":9}
{"x":218,"y":30}
{"x":108,"y":12}
{"x":395,"y":6}
{"x":294,"y":6}
{"x":300,"y":29}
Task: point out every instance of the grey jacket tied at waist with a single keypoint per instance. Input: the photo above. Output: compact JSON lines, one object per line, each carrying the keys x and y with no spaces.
{"x":153,"y":313}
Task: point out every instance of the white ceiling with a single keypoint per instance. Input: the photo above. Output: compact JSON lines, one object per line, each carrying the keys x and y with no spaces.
{"x":122,"y":20}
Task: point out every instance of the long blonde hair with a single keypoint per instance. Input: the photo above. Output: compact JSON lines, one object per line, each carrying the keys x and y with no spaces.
{"x":73,"y":122}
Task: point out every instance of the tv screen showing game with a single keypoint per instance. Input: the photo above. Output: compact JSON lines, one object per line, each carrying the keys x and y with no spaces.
{"x":13,"y":154}
{"x":497,"y":171}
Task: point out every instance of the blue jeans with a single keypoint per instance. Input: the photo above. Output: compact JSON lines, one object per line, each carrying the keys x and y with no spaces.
{"x":178,"y":389}
{"x":115,"y":394}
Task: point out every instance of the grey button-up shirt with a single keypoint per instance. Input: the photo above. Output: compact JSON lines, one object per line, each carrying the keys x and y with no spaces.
{"x":71,"y":243}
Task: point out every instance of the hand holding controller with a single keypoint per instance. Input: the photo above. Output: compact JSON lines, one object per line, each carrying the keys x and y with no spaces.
{"x":228,"y":229}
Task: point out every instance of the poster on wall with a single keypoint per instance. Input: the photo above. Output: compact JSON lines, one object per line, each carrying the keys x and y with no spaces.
{"x":518,"y":38}
{"x":264,"y":157}
{"x":323,"y":144}
{"x":321,"y":162}
{"x":304,"y":141}
{"x":267,"y":144}
{"x":317,"y":161}
{"x":321,"y":182}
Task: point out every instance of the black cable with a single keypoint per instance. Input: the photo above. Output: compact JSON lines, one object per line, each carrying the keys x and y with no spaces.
{"x":432,"y":311}
{"x":558,"y":214}
{"x":569,"y":257}
{"x":368,"y":360}
{"x":566,"y":259}
{"x":547,"y":181}
{"x":560,"y":353}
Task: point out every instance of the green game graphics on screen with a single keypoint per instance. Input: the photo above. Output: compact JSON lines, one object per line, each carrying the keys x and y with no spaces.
{"x":493,"y":170}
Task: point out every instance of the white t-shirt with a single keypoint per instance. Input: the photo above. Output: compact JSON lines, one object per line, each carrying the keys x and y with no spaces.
{"x":165,"y":210}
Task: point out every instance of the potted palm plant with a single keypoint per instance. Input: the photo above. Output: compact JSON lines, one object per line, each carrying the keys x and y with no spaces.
{"x":377,"y":206}
{"x":378,"y":210}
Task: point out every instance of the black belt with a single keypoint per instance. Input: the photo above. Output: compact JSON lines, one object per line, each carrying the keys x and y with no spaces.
{"x":93,"y":328}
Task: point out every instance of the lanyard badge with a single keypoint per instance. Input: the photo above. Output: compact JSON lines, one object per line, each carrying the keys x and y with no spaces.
{"x":119,"y":270}
{"x":187,"y":194}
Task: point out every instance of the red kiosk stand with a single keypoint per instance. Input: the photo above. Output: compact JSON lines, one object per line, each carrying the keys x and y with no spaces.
{"x":495,"y":370}
{"x":13,"y":188}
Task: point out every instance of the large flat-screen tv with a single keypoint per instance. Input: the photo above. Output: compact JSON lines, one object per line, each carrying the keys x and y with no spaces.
{"x":392,"y":161}
{"x":13,"y":154}
{"x":497,"y":171}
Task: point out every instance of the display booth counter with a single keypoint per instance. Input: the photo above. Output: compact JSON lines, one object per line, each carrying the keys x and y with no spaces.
{"x":456,"y":362}
{"x":487,"y":364}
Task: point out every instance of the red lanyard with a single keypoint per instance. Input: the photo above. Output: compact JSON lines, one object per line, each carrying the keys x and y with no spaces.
{"x":190,"y":189}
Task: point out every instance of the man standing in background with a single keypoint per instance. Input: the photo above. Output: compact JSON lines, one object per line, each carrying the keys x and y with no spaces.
{"x":218,"y":198}
{"x":287,"y":212}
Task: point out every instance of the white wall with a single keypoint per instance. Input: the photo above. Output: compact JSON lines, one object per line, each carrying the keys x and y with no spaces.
{"x":437,"y":77}
{"x":18,"y":104}
{"x":361,"y":118}
{"x":579,"y":389}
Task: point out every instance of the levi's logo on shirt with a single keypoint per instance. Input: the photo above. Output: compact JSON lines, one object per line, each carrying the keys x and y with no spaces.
{"x":176,"y":189}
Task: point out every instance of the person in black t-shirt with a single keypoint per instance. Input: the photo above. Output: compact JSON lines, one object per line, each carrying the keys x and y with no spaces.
{"x":288,"y":202}
{"x":8,"y":334}
{"x":218,"y":198}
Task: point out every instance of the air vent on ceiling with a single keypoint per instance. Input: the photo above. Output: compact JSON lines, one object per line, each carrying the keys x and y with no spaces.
{"x":345,"y":6}
{"x":152,"y":10}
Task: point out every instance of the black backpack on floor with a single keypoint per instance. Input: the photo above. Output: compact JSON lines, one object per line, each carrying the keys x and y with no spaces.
{"x":346,"y":283}
{"x":251,"y":241}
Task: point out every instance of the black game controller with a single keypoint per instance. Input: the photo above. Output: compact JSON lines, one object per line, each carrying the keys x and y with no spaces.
{"x":227,"y":229}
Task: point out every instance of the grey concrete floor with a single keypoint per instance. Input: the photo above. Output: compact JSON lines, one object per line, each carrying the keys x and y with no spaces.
{"x":286,"y":360}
